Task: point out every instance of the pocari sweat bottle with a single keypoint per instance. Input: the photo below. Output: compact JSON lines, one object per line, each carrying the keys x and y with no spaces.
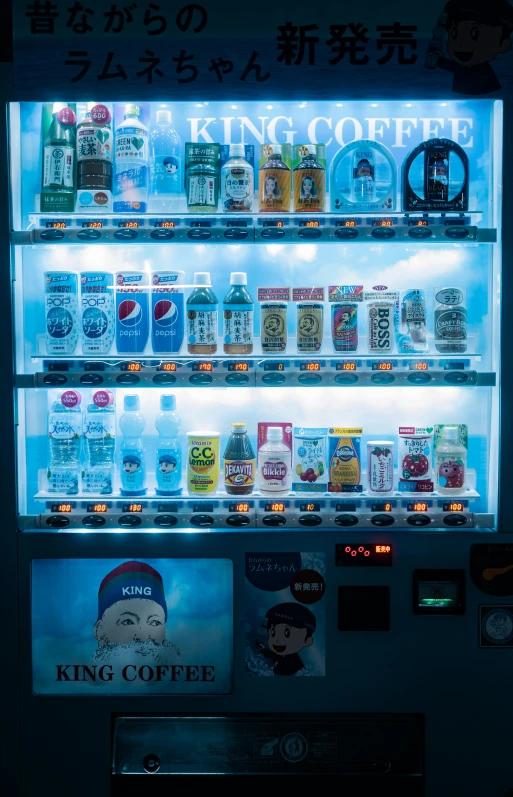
{"x":100,"y":443}
{"x":165,"y":164}
{"x":133,"y":464}
{"x":65,"y":438}
{"x":169,"y":453}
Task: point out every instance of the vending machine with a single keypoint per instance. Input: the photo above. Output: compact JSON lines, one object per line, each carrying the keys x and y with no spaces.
{"x":257,"y":421}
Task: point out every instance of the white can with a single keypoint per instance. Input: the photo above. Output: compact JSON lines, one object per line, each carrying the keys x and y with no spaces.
{"x":381,"y":327}
{"x":380,"y":467}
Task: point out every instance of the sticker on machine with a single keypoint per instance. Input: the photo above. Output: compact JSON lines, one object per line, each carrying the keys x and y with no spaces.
{"x":112,"y":626}
{"x":496,"y":626}
{"x":285,"y":614}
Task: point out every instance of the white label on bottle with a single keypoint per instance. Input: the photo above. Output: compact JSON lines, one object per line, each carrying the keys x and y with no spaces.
{"x":94,"y":143}
{"x":63,"y":426}
{"x":131,"y":145}
{"x":201,"y":324}
{"x":238,"y":324}
{"x":201,"y":190}
{"x":58,"y":166}
{"x":274,"y":471}
{"x":100,"y":425}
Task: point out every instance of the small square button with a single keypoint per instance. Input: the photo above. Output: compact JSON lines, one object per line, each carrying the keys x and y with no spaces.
{"x":363,"y":608}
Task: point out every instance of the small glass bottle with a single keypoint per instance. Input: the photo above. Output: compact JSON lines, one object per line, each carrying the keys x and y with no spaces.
{"x":274,"y":181}
{"x":239,"y":462}
{"x":237,"y":182}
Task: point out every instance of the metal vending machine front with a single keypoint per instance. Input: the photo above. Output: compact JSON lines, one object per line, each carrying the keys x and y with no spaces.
{"x":324,"y":270}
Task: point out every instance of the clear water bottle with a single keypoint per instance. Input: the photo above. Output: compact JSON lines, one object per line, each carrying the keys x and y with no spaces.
{"x":169,"y":453}
{"x":100,"y":443}
{"x":133,"y":462}
{"x":165,"y":164}
{"x":65,"y":438}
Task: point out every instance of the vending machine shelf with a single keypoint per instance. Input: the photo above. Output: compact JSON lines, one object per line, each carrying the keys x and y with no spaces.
{"x":280,"y":374}
{"x":254,"y":228}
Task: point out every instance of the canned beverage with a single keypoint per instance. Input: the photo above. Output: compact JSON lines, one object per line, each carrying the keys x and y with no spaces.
{"x":61,"y":300}
{"x":202,"y":462}
{"x":310,"y":319}
{"x":344,"y":326}
{"x":98,"y":326}
{"x":413,"y":328}
{"x":132,"y":312}
{"x":450,"y":320}
{"x":380,"y":466}
{"x":273,"y":327}
{"x":167,"y":311}
{"x":381,"y":326}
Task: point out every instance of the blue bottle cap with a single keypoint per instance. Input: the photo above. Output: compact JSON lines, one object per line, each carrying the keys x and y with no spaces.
{"x":167,"y":402}
{"x":131,"y":402}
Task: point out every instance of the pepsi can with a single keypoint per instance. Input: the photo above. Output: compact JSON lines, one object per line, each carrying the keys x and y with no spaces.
{"x":132,"y":312}
{"x":61,"y":299}
{"x":168,"y":311}
{"x":97,"y":289}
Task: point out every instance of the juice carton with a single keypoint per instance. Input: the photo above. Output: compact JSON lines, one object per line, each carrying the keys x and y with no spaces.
{"x":310,"y":472}
{"x":415,"y":459}
{"x":344,"y":457}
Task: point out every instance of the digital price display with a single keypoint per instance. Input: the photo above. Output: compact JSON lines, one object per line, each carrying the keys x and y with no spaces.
{"x":347,"y":223}
{"x":386,"y":506}
{"x":418,"y":223}
{"x":274,"y":366}
{"x":132,"y":508}
{"x":358,"y":555}
{"x":169,"y":507}
{"x":202,"y":366}
{"x":275,"y":506}
{"x":384,"y":365}
{"x":382,"y":222}
{"x":310,"y":223}
{"x":273,"y":223}
{"x":310,"y":507}
{"x":453,"y":506}
{"x":133,"y":367}
{"x":62,"y":507}
{"x":238,"y":366}
{"x":165,"y":224}
{"x":345,"y":507}
{"x":243,"y":507}
{"x":97,"y":508}
{"x":130,"y":224}
{"x":93,"y":225}
{"x":310,"y":367}
{"x":347,"y":365}
{"x":419,"y":365}
{"x":418,"y":506}
{"x":167,"y":367}
{"x":203,"y":223}
{"x":55,"y":225}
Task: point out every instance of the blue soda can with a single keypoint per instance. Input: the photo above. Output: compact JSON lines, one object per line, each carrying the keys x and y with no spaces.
{"x":167,"y":311}
{"x":98,"y":326}
{"x":61,"y":300}
{"x":132,"y":312}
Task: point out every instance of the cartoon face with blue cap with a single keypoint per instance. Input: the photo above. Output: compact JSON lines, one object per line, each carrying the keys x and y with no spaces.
{"x":131,"y":463}
{"x":170,"y":165}
{"x":167,"y":463}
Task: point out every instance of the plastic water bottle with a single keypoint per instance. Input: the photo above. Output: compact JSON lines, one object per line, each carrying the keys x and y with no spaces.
{"x":65,"y":437}
{"x":165,"y":164}
{"x":131,"y":178}
{"x":133,"y":465}
{"x":169,"y":453}
{"x":100,"y":443}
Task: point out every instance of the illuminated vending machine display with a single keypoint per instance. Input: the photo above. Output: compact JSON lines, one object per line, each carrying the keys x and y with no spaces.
{"x":257,"y":368}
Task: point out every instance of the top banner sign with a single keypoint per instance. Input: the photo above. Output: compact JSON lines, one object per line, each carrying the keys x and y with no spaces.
{"x":208,"y":50}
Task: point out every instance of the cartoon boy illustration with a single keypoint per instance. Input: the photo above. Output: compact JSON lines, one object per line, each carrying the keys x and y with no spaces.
{"x":132,"y":616}
{"x":499,"y":627}
{"x":478,"y":31}
{"x":167,"y":463}
{"x":131,"y":463}
{"x":170,"y":165}
{"x":290,"y":628}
